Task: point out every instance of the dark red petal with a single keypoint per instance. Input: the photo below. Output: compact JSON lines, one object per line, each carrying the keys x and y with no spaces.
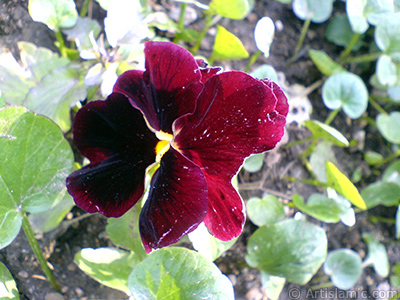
{"x":207,"y":73}
{"x":282,"y":104}
{"x":225,"y":217}
{"x":177,"y":202}
{"x":167,"y":89}
{"x":115,"y":138}
{"x":236,"y":116}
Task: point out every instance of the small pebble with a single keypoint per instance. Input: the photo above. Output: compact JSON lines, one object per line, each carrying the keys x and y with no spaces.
{"x":53,"y":296}
{"x":23,"y":274}
{"x":79,"y":292}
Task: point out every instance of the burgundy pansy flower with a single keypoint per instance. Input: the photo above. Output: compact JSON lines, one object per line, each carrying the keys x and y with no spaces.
{"x":199,"y":124}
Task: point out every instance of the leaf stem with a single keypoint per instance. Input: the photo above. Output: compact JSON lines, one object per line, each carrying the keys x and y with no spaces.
{"x":303,"y":32}
{"x":37,"y":251}
{"x":252,"y":60}
{"x":60,"y":42}
{"x":209,"y":21}
{"x":332,"y":115}
{"x":181,"y":23}
{"x":350,"y":46}
{"x":362,"y":58}
{"x":376,"y":105}
{"x":85,"y":8}
{"x":388,"y":159}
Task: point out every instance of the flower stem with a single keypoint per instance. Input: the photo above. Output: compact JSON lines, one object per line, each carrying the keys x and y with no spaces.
{"x":37,"y":251}
{"x":303,"y":32}
{"x":252,"y":60}
{"x":332,"y":116}
{"x":85,"y":8}
{"x":388,"y":159}
{"x":208,"y":22}
{"x":350,"y":46}
{"x":181,"y":23}
{"x":362,"y":58}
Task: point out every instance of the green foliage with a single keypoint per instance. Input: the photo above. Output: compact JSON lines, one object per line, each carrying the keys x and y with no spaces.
{"x":340,"y":33}
{"x":324,"y":63}
{"x":381,"y":193}
{"x":227,"y":46}
{"x":377,"y":255}
{"x":56,"y":14}
{"x":388,"y":125}
{"x":314,"y":10}
{"x":232,"y":9}
{"x":347,"y":91}
{"x":298,"y":250}
{"x":8,"y":288}
{"x":327,"y":133}
{"x":344,"y":267}
{"x":108,"y":266}
{"x":164,"y":275}
{"x":265,"y":71}
{"x":254,"y":163}
{"x":266,"y":210}
{"x":26,"y":174}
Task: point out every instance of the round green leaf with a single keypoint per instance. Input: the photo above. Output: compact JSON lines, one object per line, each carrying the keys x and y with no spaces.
{"x":314,"y":10}
{"x":266,"y":210}
{"x":327,"y":133}
{"x":56,"y":14}
{"x":387,"y":34}
{"x":254,"y":163}
{"x":34,"y":161}
{"x":388,"y":125}
{"x":392,"y":173}
{"x":341,"y":184}
{"x":340,"y":33}
{"x":10,"y":223}
{"x":348,"y":91}
{"x":232,"y":9}
{"x":227,"y":46}
{"x":8,"y":287}
{"x":265,"y":71}
{"x":386,"y":71}
{"x":296,"y":253}
{"x":178,"y":274}
{"x":377,"y":255}
{"x":381,"y":193}
{"x":373,"y":158}
{"x":109,"y":266}
{"x":344,"y":267}
{"x":355,"y":13}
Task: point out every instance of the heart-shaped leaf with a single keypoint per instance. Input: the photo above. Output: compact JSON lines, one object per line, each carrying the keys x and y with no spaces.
{"x":232,"y":9}
{"x":314,"y":10}
{"x":388,"y":125}
{"x":381,"y":193}
{"x":254,"y":163}
{"x":298,"y":250}
{"x":344,"y":267}
{"x":265,"y":71}
{"x":387,"y":35}
{"x":266,"y":210}
{"x":273,"y":285}
{"x":56,"y":14}
{"x":8,"y":287}
{"x":386,"y":71}
{"x":348,"y":91}
{"x":340,"y":33}
{"x":178,"y":273}
{"x":392,"y":173}
{"x":377,"y":255}
{"x":109,"y":266}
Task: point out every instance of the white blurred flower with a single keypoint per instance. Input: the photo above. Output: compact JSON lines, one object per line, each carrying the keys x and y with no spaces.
{"x":264,"y":34}
{"x":109,"y":78}
{"x":124,"y":23}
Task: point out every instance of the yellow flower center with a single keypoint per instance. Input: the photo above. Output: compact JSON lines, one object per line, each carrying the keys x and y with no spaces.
{"x":163,"y":145}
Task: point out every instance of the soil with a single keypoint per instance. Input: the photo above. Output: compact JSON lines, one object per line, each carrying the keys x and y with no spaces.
{"x":60,"y":246}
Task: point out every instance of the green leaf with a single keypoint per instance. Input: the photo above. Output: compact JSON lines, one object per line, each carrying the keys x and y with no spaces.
{"x":10,"y":221}
{"x":321,"y":154}
{"x":178,"y":274}
{"x":327,"y":133}
{"x":392,"y":173}
{"x":340,"y":33}
{"x":386,"y":71}
{"x":84,"y":31}
{"x":348,"y":91}
{"x":395,"y":279}
{"x":388,"y":125}
{"x":208,"y":245}
{"x":381,"y":193}
{"x":314,"y":10}
{"x":344,"y":267}
{"x":324,"y":63}
{"x":109,"y":266}
{"x":377,"y":255}
{"x":227,"y":46}
{"x":273,"y":285}
{"x":265,"y":71}
{"x":48,"y":220}
{"x":266,"y":210}
{"x":254,"y":163}
{"x":55,"y":94}
{"x":296,"y":253}
{"x":323,"y":208}
{"x":56,"y":14}
{"x":8,"y":287}
{"x":34,"y":161}
{"x":387,"y":35}
{"x":232,"y":9}
{"x":124,"y":231}
{"x":339,"y":182}
{"x":373,"y":158}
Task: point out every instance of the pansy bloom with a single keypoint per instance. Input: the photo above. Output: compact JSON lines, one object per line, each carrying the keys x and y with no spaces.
{"x":198,"y":124}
